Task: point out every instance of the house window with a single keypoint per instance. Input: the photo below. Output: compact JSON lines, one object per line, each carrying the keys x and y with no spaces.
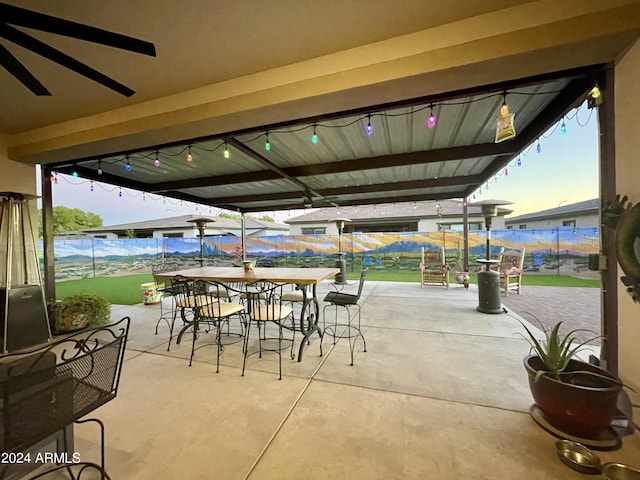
{"x":509,"y":227}
{"x":103,"y":237}
{"x":313,"y":230}
{"x":458,"y":227}
{"x":173,"y":235}
{"x":569,"y":223}
{"x":522,"y":226}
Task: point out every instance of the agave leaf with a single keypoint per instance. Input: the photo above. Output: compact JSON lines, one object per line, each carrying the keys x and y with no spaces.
{"x":556,"y":350}
{"x":533,"y":341}
{"x":579,"y":347}
{"x":615,"y":380}
{"x":539,"y":373}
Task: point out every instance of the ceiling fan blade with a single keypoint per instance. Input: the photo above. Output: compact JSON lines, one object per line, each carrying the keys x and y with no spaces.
{"x":47,"y":23}
{"x":15,"y":68}
{"x":36,"y":46}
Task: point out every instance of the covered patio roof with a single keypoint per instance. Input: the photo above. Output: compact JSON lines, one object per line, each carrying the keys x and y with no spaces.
{"x":401,"y":158}
{"x":255,"y":72}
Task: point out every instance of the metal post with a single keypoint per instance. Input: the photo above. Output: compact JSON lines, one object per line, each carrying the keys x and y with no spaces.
{"x":201,"y":223}
{"x":201,"y":231}
{"x":243,"y":236}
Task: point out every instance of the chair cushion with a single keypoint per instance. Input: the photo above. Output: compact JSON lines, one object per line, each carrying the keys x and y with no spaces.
{"x":271,"y":313}
{"x":261,"y":295}
{"x":339,"y":298}
{"x":293,"y":296}
{"x":220,"y":309}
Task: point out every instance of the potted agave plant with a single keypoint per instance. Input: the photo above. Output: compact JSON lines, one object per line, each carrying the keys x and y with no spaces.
{"x":576,"y":397}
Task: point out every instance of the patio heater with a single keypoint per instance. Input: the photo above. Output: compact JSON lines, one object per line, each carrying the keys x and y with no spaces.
{"x":341,"y":263}
{"x":489,"y":280}
{"x":201,"y":223}
{"x":23,"y":310}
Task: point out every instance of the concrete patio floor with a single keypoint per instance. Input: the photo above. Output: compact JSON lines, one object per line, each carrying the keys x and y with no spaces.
{"x":440,"y":393}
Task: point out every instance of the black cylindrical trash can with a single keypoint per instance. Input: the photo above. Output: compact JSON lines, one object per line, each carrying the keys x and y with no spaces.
{"x":489,"y":292}
{"x":341,"y":278}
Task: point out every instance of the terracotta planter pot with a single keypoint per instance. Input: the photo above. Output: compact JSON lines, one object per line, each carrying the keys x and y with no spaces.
{"x":248,"y":265}
{"x":582,"y":405}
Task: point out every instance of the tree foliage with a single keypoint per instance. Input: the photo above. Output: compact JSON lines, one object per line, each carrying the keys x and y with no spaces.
{"x":236,"y":216}
{"x":67,"y":220}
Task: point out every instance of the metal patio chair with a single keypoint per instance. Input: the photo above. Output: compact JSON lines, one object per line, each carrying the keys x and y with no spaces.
{"x":213,"y":312}
{"x":350,"y":302}
{"x":44,"y":391}
{"x":265,"y":309}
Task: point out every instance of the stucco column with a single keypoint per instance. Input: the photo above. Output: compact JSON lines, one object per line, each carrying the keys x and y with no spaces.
{"x":627,"y":111}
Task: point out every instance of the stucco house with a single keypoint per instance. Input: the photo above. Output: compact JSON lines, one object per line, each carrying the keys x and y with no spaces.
{"x":425,"y":216}
{"x":577,"y":215}
{"x":182,"y":226}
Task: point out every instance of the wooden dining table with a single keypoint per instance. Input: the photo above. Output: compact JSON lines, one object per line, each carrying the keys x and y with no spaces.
{"x":301,"y":277}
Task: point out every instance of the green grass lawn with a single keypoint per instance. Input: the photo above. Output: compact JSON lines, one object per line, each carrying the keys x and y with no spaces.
{"x":126,"y":290}
{"x":123,"y":290}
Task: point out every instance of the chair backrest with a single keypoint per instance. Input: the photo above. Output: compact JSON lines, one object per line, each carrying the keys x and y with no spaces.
{"x":432,"y":258}
{"x":45,"y":389}
{"x":511,"y":259}
{"x":182,"y":288}
{"x":211,"y":296}
{"x":363,"y":276}
{"x":264,"y":299}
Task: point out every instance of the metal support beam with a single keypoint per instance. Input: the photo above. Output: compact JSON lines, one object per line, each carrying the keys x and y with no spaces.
{"x":609,"y":294}
{"x":48,"y":234}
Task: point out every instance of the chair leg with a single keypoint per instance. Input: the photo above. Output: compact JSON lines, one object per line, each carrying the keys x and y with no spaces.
{"x":246,"y":345}
{"x":280,"y":350}
{"x":195,"y":327}
{"x":173,"y":322}
{"x":364,"y":342}
{"x":219,"y":341}
{"x":293,"y":335}
{"x":353,"y":337}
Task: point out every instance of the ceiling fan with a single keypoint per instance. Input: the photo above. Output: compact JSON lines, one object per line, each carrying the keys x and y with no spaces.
{"x":11,"y":16}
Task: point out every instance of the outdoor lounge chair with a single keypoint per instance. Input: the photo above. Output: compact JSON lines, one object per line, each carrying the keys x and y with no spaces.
{"x":510,"y":270}
{"x":433,"y":268}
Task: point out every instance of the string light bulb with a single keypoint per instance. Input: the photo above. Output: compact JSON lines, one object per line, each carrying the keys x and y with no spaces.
{"x":519,"y":162}
{"x":595,"y":92}
{"x":127,"y":167}
{"x":538,"y":148}
{"x":120,"y":192}
{"x":99,"y":167}
{"x":91,"y":186}
{"x":226,"y":153}
{"x":563,"y":127}
{"x":314,"y":137}
{"x":369,"y":126}
{"x":74,"y":174}
{"x":432,"y":118}
{"x":506,"y":172}
{"x":504,"y":109}
{"x":157,"y":162}
{"x":189,"y":156}
{"x":267,"y":145}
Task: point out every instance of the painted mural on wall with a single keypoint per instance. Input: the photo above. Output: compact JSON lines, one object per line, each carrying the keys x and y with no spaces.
{"x":557,"y":251}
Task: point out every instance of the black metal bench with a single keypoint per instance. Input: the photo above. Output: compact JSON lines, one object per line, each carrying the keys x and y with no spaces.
{"x":44,"y":390}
